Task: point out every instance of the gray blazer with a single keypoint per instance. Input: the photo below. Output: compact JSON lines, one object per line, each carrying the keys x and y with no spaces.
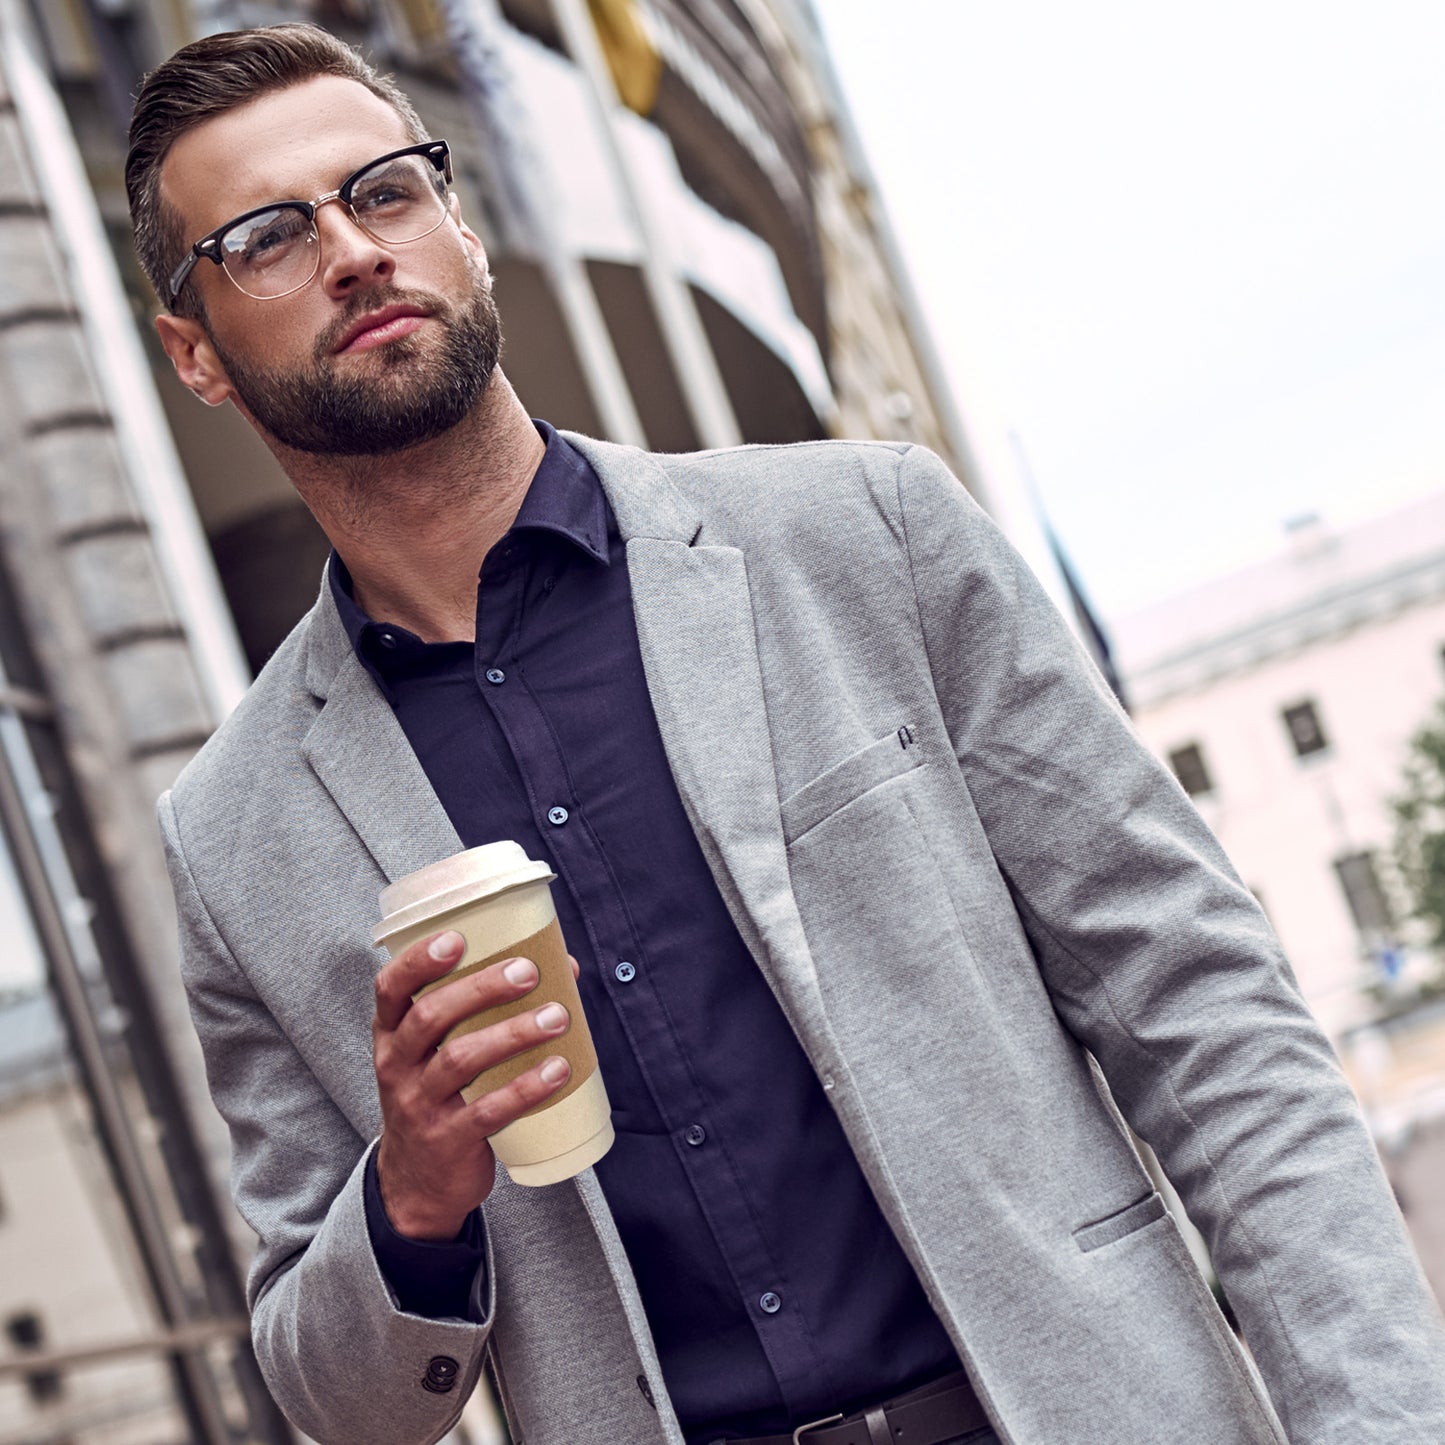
{"x":961,"y":874}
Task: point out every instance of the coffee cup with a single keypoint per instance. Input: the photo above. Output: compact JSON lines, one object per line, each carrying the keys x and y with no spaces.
{"x":499,"y":900}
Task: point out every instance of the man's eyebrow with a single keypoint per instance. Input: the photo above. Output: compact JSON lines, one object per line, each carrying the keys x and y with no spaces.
{"x":277,"y":193}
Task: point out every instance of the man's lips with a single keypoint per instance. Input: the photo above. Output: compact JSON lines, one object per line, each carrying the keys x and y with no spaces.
{"x":376,"y":328}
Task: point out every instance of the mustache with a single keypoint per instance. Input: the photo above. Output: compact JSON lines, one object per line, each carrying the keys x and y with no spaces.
{"x":373,"y":300}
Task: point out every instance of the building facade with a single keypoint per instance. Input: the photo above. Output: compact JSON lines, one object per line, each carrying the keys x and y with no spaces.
{"x":1284,"y":697}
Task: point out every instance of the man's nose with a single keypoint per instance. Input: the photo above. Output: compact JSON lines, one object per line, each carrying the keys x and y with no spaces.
{"x":350,"y":256}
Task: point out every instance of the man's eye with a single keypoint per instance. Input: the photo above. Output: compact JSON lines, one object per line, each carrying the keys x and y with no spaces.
{"x":379,"y":195}
{"x":259,"y":245}
{"x":263,"y":244}
{"x":382,"y":195}
{"x":399,"y":184}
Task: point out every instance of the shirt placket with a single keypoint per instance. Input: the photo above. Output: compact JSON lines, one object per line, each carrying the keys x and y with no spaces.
{"x":626,"y":974}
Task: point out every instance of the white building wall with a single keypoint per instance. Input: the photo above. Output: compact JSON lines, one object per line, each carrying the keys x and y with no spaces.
{"x":1284,"y":819}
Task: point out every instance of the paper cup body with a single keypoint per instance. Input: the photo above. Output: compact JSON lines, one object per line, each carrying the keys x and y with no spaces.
{"x":500,"y":902}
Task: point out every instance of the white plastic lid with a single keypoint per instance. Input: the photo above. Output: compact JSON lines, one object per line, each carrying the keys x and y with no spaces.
{"x":463,"y":878}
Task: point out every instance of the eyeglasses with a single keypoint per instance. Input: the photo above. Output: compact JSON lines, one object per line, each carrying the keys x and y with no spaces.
{"x":275,"y":250}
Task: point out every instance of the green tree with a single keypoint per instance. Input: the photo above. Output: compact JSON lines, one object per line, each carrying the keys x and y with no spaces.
{"x":1419,"y":845}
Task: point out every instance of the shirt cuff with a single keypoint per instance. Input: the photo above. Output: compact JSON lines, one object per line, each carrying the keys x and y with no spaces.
{"x":436,"y":1279}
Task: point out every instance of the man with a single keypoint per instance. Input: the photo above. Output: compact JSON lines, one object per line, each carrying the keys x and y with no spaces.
{"x":859,"y":862}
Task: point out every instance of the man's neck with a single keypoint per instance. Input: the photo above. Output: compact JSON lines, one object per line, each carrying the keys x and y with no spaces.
{"x":414,"y":527}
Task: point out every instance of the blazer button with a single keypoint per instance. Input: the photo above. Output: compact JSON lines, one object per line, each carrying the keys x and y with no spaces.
{"x":441,"y":1374}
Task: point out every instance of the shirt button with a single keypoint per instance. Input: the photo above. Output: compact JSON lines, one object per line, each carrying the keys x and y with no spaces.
{"x":556,"y":816}
{"x":695,"y":1134}
{"x":625,"y":972}
{"x":770,"y":1303}
{"x":387,"y":639}
{"x":495,"y":674}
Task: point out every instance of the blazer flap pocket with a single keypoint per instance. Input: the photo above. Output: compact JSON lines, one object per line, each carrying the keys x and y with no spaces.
{"x":897,"y":753}
{"x":1118,"y":1226}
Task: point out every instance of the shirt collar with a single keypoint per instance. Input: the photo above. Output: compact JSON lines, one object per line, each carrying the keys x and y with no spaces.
{"x":564,"y":498}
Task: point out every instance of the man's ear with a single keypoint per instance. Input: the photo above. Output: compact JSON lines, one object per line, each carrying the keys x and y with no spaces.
{"x":194,"y":358}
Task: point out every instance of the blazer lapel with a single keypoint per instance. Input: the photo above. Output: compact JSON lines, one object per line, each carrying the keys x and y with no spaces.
{"x":695,"y":625}
{"x":699,"y":651}
{"x":359,"y":752}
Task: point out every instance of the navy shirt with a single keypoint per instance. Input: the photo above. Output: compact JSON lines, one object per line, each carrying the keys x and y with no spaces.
{"x":775,"y":1289}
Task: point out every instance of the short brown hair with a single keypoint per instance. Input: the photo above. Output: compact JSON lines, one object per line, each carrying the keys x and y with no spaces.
{"x":206,"y":79}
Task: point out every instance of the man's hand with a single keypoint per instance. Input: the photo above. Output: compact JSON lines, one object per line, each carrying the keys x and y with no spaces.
{"x":434,"y":1163}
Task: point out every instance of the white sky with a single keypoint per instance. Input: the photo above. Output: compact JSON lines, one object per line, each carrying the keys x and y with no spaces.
{"x":1195,"y":253}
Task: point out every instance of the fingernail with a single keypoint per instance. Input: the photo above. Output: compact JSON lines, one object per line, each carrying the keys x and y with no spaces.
{"x":446,"y":945}
{"x":520,"y":971}
{"x":552,"y":1017}
{"x":554,"y":1071}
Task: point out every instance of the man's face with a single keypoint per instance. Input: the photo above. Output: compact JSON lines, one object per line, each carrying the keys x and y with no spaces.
{"x":387,"y":345}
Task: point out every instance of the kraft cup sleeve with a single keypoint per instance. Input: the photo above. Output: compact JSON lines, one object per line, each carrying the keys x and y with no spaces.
{"x":554,"y":983}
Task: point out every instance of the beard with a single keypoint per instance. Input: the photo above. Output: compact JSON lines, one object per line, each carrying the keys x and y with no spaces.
{"x":421,"y":393}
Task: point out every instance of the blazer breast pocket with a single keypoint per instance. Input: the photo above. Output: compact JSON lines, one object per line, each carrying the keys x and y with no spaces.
{"x":1120,"y":1225}
{"x":900,"y":752}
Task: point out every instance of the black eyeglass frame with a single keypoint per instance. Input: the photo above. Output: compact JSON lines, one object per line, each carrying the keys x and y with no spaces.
{"x":438,"y":152}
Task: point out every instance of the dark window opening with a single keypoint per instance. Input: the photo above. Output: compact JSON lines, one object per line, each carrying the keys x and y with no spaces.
{"x":1360,"y":882}
{"x":1189,"y":768}
{"x":1305,"y":731}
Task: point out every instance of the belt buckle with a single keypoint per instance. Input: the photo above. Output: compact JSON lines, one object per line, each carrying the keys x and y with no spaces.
{"x":813,"y":1425}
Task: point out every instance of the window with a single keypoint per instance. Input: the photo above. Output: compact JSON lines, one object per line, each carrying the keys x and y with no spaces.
{"x":1305,"y":732}
{"x":1361,"y":884}
{"x":26,"y":1333}
{"x":1188,"y":765}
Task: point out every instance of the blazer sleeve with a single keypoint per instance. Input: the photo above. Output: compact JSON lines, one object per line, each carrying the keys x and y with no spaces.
{"x":1161,"y":963}
{"x":346,"y":1364}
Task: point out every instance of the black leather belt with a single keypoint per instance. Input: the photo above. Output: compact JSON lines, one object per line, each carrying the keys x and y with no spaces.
{"x":929,"y":1415}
